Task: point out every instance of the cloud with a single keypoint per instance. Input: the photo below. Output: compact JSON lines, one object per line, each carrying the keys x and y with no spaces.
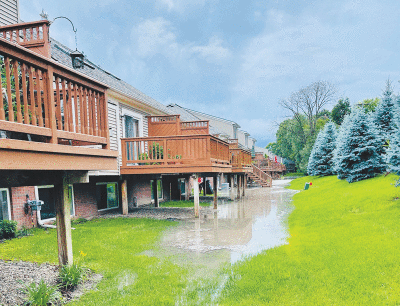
{"x":214,"y":51}
{"x":157,"y":36}
{"x":180,"y":6}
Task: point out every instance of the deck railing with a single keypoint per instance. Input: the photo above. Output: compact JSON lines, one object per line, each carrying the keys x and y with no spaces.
{"x":40,"y":97}
{"x":183,"y":149}
{"x":200,"y":127}
{"x":262,"y":175}
{"x":240,"y":158}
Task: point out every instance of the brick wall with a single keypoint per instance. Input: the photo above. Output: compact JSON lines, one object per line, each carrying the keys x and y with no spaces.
{"x":85,"y":200}
{"x":139,"y":187}
{"x":18,"y":200}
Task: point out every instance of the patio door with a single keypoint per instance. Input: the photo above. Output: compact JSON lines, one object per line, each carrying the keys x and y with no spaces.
{"x":131,"y":130}
{"x":5,"y":213}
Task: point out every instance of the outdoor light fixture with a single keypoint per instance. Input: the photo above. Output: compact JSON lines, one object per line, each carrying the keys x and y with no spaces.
{"x":76,"y":56}
{"x":77,"y":59}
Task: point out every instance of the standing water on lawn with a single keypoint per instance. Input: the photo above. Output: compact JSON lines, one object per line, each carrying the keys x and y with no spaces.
{"x":219,"y":238}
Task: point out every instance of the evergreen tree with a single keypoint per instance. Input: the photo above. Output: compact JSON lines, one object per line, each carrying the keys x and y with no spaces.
{"x":384,"y":113}
{"x":321,"y":158}
{"x":357,"y":155}
{"x":341,"y":109}
{"x":393,"y":153}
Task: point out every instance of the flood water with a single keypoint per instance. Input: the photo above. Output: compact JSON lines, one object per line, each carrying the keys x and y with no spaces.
{"x":242,"y":228}
{"x":208,"y":246}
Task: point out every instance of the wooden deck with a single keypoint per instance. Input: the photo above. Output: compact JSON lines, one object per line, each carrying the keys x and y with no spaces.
{"x":51,"y":117}
{"x":240,"y":158}
{"x":175,"y":154}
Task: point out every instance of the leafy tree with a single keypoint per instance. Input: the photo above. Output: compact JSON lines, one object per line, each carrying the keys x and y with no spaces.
{"x":384,"y":112}
{"x":321,"y":158}
{"x":294,"y":142}
{"x":369,"y":105}
{"x":341,"y":109}
{"x":357,"y":155}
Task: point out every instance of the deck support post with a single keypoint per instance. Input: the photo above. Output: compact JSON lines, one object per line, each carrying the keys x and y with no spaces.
{"x":232,"y":195}
{"x":63,"y":217}
{"x":124,"y":194}
{"x":204,"y":186}
{"x":244,"y":184}
{"x":187,"y":180}
{"x":155,"y":190}
{"x":215,"y":189}
{"x":239,"y":185}
{"x":196,"y":195}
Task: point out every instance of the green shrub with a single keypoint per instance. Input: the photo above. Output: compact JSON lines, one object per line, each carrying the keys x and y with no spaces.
{"x":24,"y":232}
{"x":70,"y":276}
{"x":42,"y":294}
{"x":8,"y":229}
{"x":79,"y":221}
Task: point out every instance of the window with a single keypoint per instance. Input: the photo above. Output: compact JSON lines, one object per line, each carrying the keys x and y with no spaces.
{"x":131,"y":127}
{"x":5,"y":213}
{"x":46,"y":194}
{"x":107,"y":195}
{"x":159,"y":189}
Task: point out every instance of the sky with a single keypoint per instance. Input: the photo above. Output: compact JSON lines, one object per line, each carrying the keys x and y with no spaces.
{"x":234,"y":59}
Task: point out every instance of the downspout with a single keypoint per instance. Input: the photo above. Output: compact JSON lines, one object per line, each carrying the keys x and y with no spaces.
{"x":41,"y":223}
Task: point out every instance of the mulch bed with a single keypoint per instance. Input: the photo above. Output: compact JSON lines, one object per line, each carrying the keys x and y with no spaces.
{"x":16,"y":275}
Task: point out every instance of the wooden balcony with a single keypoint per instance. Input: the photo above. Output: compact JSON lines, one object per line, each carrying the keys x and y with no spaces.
{"x":51,"y":117}
{"x":240,"y":158}
{"x":175,"y":154}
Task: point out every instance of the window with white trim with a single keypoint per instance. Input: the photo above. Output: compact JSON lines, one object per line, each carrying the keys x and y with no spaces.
{"x":5,"y":211}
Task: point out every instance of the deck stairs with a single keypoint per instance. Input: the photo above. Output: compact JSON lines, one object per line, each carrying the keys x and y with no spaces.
{"x":259,"y":177}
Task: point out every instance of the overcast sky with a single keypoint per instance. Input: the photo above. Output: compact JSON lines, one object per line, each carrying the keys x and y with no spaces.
{"x":234,"y":59}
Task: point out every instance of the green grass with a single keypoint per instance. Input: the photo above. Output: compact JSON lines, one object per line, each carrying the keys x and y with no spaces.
{"x":294,"y":174}
{"x":115,"y":248}
{"x":182,"y":204}
{"x":343,"y":250}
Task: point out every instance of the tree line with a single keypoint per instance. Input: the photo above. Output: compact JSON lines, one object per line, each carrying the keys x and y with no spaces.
{"x":312,"y":135}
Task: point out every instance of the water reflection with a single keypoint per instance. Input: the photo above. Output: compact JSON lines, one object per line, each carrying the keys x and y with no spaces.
{"x":243,"y":228}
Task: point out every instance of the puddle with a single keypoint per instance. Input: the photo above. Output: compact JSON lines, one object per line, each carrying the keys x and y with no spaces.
{"x":209,"y":245}
{"x":244,"y":227}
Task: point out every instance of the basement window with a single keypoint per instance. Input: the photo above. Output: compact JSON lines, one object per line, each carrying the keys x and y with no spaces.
{"x":107,"y":196}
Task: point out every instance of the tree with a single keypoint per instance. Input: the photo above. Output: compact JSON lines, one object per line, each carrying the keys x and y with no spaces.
{"x":293,"y":140}
{"x":393,"y":152}
{"x":357,"y":155}
{"x":369,"y":105}
{"x":384,"y":113}
{"x":341,"y":109}
{"x":321,"y":157}
{"x":310,"y":101}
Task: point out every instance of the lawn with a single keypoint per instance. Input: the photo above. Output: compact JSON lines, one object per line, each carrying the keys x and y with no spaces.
{"x":118,"y":249}
{"x":344,"y":249}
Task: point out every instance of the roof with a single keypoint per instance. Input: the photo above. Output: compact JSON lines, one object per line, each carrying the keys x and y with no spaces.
{"x":61,"y":54}
{"x":200,"y":115}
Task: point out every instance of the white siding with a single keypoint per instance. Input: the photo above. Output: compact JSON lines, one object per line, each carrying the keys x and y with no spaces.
{"x":113,"y":129}
{"x":9,"y":12}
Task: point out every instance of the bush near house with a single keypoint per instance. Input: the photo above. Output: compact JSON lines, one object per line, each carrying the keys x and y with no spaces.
{"x":8,"y":229}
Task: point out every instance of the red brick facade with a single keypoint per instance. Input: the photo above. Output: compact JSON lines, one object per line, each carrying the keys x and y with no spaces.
{"x":139,"y":191}
{"x":85,"y":200}
{"x":17,"y":205}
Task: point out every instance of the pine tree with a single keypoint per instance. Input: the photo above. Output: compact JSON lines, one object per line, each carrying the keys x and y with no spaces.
{"x":357,"y":155}
{"x":341,"y":163}
{"x":393,"y":153}
{"x":321,"y":158}
{"x":384,"y":114}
